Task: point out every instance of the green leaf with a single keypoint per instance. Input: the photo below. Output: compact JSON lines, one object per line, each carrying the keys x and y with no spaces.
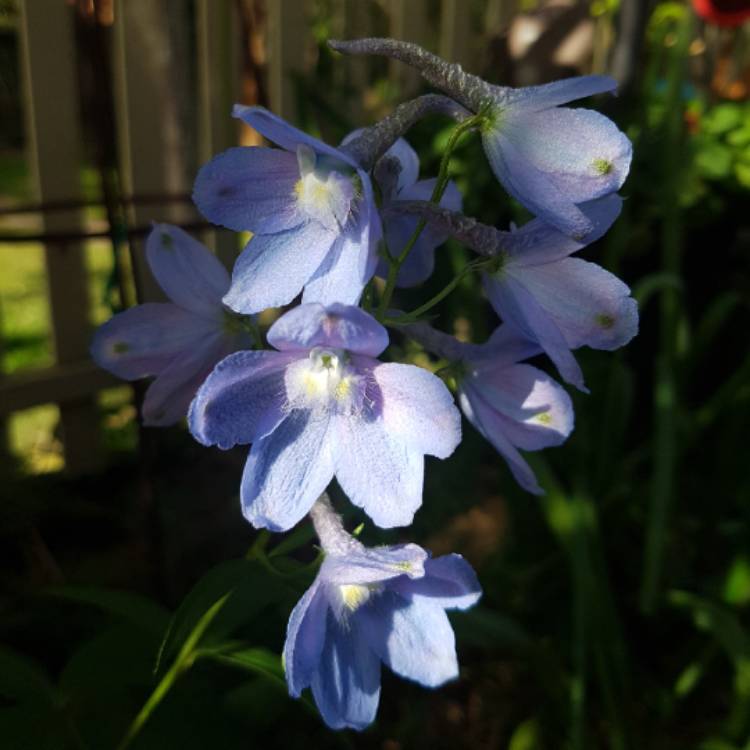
{"x":714,"y":160}
{"x":134,"y":608}
{"x":22,"y":680}
{"x":251,"y":590}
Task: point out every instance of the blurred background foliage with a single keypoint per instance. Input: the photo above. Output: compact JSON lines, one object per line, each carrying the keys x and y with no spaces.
{"x":615,"y":612}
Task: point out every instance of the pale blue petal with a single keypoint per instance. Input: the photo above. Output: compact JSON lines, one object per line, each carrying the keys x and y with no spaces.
{"x":190,"y":275}
{"x":505,"y":346}
{"x":346,"y":686}
{"x":539,"y":412}
{"x":412,"y":635}
{"x":143,"y":340}
{"x":520,"y":308}
{"x":337,"y":326}
{"x":168,"y":397}
{"x":305,"y":637}
{"x":241,"y":401}
{"x":377,"y":470}
{"x":283,"y":134}
{"x":449,"y":582}
{"x":532,"y":187}
{"x":537,"y":242}
{"x":536,"y":98}
{"x":272,"y":269}
{"x":341,"y":276}
{"x":492,"y":427}
{"x":250,"y":189}
{"x":590,"y":306}
{"x":287,"y":471}
{"x":418,"y":409}
{"x":364,"y":565}
{"x":581,"y":151}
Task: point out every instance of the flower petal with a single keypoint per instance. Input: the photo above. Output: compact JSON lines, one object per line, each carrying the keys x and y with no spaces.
{"x":283,"y":134}
{"x":581,"y":151}
{"x":538,"y":411}
{"x":407,"y":157}
{"x":346,"y":686}
{"x":412,"y":635}
{"x":250,"y":189}
{"x":241,"y":401}
{"x":286,"y":471}
{"x":168,"y":397}
{"x":449,"y":582}
{"x":364,"y":565}
{"x":143,"y":340}
{"x":305,"y":637}
{"x":492,"y":427}
{"x":532,"y":187}
{"x":338,"y":326}
{"x":190,"y":275}
{"x":537,"y":242}
{"x":273,"y":268}
{"x":418,"y":408}
{"x":536,"y":98}
{"x":519,"y":308}
{"x":590,"y":306}
{"x":378,"y":471}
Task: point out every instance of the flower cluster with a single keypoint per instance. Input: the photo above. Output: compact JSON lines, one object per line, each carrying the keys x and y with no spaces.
{"x":344,"y":227}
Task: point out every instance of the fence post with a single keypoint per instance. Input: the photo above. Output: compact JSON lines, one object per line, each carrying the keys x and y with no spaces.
{"x":54,"y":145}
{"x":409,"y":23}
{"x":154,"y":151}
{"x":218,"y":52}
{"x":456,"y":43}
{"x":288,"y":37}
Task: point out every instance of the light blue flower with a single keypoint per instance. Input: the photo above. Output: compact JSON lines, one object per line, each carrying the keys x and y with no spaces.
{"x":562,"y":303}
{"x":310,"y":209}
{"x":550,"y":158}
{"x":177,"y":342}
{"x":512,"y":404}
{"x":320,"y":406}
{"x":371,"y":606}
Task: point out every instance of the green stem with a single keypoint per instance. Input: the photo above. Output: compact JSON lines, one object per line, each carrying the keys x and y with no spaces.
{"x":182,"y":663}
{"x":410,"y":317}
{"x":665,"y":391}
{"x":440,"y":186}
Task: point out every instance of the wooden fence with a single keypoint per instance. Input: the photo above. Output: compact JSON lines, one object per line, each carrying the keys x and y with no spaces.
{"x":148,"y":139}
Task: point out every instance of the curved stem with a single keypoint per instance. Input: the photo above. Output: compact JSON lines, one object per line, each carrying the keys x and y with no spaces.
{"x":437,"y":194}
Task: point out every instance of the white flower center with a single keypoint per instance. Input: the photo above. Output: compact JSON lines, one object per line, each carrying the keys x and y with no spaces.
{"x":324,"y":196}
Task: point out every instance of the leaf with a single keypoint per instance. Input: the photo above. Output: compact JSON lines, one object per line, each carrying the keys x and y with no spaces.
{"x":251,"y":588}
{"x":21,"y":680}
{"x":134,"y":608}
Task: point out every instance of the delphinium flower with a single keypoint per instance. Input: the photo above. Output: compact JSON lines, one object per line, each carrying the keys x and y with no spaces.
{"x":322,"y":405}
{"x":177,"y":342}
{"x":367,"y":606}
{"x":548,"y":157}
{"x":512,"y":404}
{"x":398,"y":228}
{"x":310,"y":209}
{"x":560,"y":302}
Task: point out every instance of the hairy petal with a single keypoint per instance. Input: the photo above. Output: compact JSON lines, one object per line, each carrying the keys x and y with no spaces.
{"x":272,"y":269}
{"x":537,"y":98}
{"x":241,"y":401}
{"x":190,"y":275}
{"x":412,"y":635}
{"x":418,"y":408}
{"x":250,"y":189}
{"x":346,"y":686}
{"x":305,"y":637}
{"x":285,"y":135}
{"x":492,"y":427}
{"x":286,"y":471}
{"x":338,"y":326}
{"x":145,"y":339}
{"x":590,"y":306}
{"x":449,"y":582}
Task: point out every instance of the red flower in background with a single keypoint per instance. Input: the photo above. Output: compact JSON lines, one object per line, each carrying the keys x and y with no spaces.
{"x":729,"y":13}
